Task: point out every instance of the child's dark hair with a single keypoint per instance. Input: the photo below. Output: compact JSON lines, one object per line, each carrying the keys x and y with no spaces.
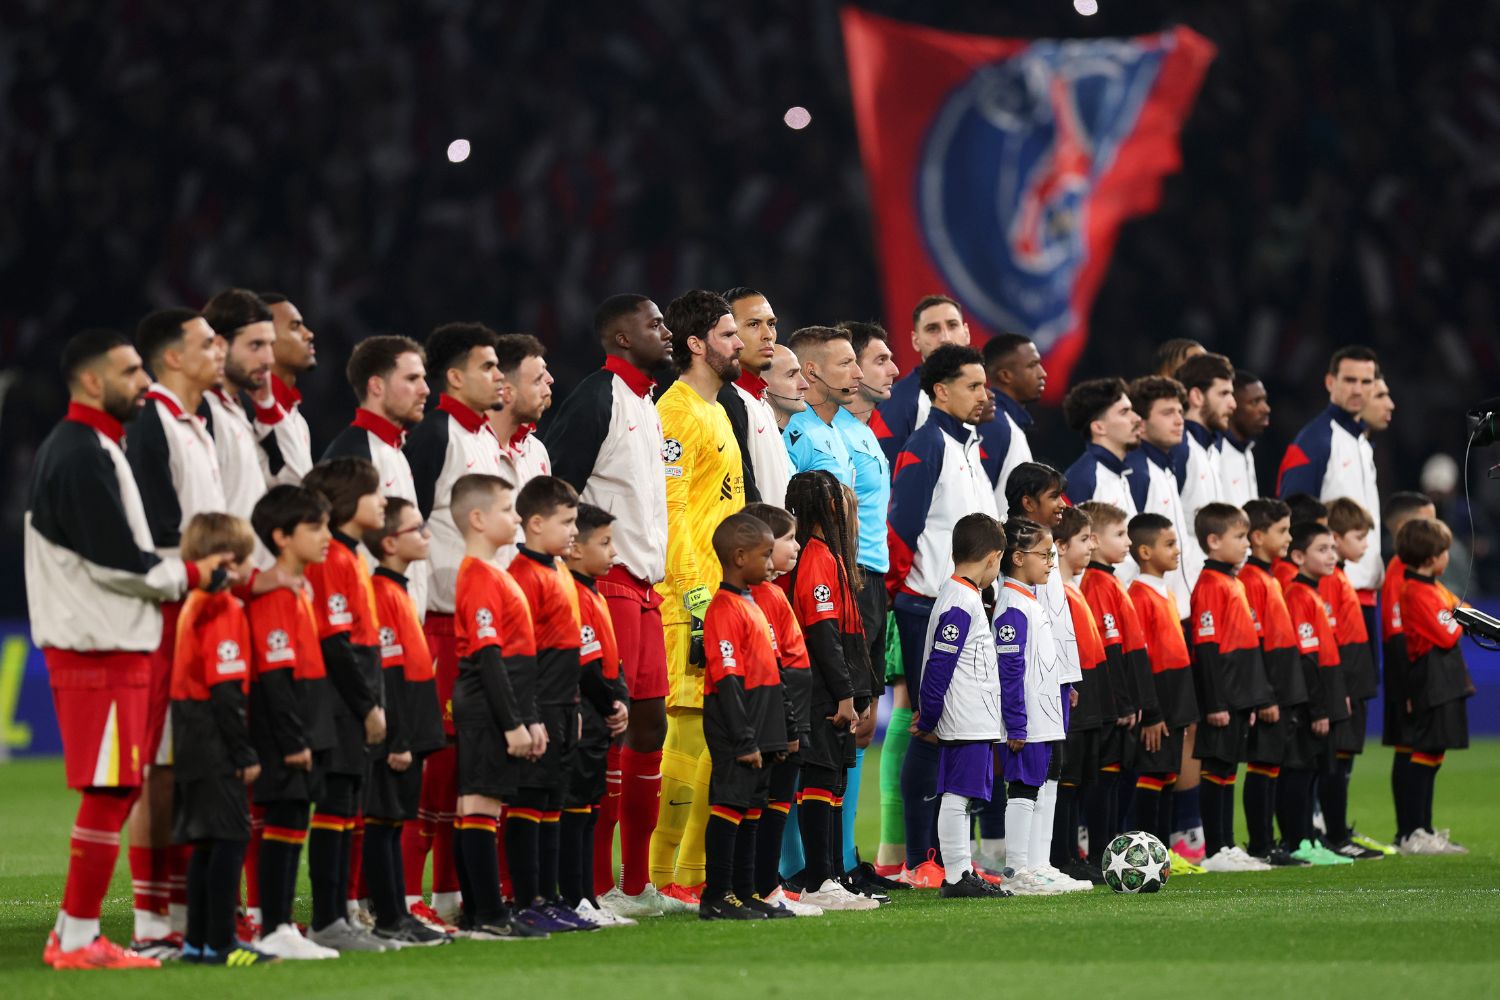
{"x":1144,"y":530}
{"x":1102,"y":514}
{"x":975,"y":536}
{"x":778,"y":520}
{"x":1400,"y":506}
{"x":591,"y":519}
{"x":1021,"y":535}
{"x":1304,"y":533}
{"x":816,"y":499}
{"x":1217,"y":519}
{"x":1031,"y":479}
{"x":394,"y":508}
{"x":738,"y":531}
{"x":542,"y":495}
{"x":1264,"y":512}
{"x":1074,"y":522}
{"x":1421,"y":540}
{"x":1346,"y":515}
{"x":343,"y":481}
{"x":284,"y":507}
{"x":1306,"y":507}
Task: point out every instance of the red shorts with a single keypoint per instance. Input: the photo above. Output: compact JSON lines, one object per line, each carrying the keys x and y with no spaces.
{"x":635,"y":607}
{"x":100,"y":700}
{"x":443,"y":646}
{"x":158,"y":745}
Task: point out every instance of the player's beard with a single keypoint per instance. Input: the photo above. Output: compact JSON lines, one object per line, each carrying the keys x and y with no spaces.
{"x":237,"y":378}
{"x":726,"y":366}
{"x":120,"y":406}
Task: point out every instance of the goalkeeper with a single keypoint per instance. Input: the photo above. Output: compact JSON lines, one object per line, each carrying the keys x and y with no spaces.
{"x":705,"y":484}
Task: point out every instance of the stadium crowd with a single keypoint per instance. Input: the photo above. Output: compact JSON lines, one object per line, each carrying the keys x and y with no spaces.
{"x":445,"y":639}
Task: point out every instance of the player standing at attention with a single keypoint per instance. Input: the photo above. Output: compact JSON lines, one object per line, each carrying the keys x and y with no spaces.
{"x":746,"y":724}
{"x":349,"y":635}
{"x":452,"y":442}
{"x":1438,"y":682}
{"x":960,"y":707}
{"x":605,"y":708}
{"x":603,"y":436}
{"x":1229,"y":677}
{"x":1127,"y":669}
{"x":1013,"y":366}
{"x":832,"y":371}
{"x":494,"y":701}
{"x":766,"y":467}
{"x":1208,"y":380}
{"x":285,"y":440}
{"x":1351,"y":525}
{"x":1100,"y":412}
{"x":217,"y":761}
{"x":704,"y":484}
{"x":93,"y":585}
{"x":523,"y":455}
{"x":936,"y":321}
{"x":1270,"y":532}
{"x":937,"y":478}
{"x":1238,"y":480}
{"x":176,"y":470}
{"x":1312,"y":551}
{"x":245,"y":325}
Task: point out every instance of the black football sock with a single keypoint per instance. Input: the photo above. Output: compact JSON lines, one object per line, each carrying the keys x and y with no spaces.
{"x":480,"y":867}
{"x":1101,"y":805}
{"x":1294,"y":806}
{"x":586,"y":854}
{"x":1148,"y":804}
{"x":1065,"y":826}
{"x":1334,"y":790}
{"x":1166,"y":809}
{"x":743,"y":876}
{"x":225,"y":860}
{"x":571,"y":852}
{"x":1424,"y":769}
{"x":389,"y":907}
{"x":1400,"y":767}
{"x":718,"y":851}
{"x":549,"y":848}
{"x":397,"y":864}
{"x":768,"y":846}
{"x":1259,"y":793}
{"x":522,"y":853}
{"x":198,"y":894}
{"x":814,"y":820}
{"x":460,"y":870}
{"x":324,"y":867}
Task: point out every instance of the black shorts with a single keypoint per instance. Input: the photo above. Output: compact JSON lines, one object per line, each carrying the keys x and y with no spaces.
{"x":1396,"y":727}
{"x":1166,"y":760}
{"x":826,"y":746}
{"x":738,"y":786}
{"x":1080,"y":757}
{"x":1443,"y":727}
{"x":392,"y":794}
{"x":483,"y":766}
{"x":1223,"y":743}
{"x":1349,"y":735}
{"x":552,"y":772}
{"x":1112,"y":742}
{"x":872,"y":614}
{"x":210,"y":809}
{"x":586,"y":777}
{"x":349,"y":755}
{"x":1305,"y":750}
{"x":279,"y":783}
{"x":1267,"y":742}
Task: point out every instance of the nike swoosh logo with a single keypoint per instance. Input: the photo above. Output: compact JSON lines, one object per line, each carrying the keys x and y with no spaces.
{"x":389,"y":483}
{"x":721,"y":447}
{"x":672,"y":802}
{"x":470,"y":465}
{"x":630,"y":427}
{"x":929,"y":798}
{"x":758,"y":430}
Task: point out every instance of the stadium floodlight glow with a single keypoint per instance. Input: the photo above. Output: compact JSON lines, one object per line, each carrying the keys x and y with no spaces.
{"x":1088,"y":8}
{"x":797,"y":117}
{"x":458,"y":150}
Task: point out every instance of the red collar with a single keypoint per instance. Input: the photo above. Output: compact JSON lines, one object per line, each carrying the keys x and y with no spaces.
{"x":382,"y":428}
{"x":82,"y":413}
{"x":1019,"y":588}
{"x":468,"y":419}
{"x":519,"y":437}
{"x":167,"y":398}
{"x":284,"y":394}
{"x":751,"y":383}
{"x":230,"y":402}
{"x":635,"y":380}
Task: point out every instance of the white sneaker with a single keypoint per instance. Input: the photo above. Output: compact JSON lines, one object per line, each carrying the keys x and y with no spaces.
{"x":779,"y":897}
{"x":832,"y":896}
{"x":1030,"y":882}
{"x":1447,"y":844}
{"x":601,"y":917}
{"x":1246,"y":862}
{"x":1066,"y":883}
{"x":1420,"y":842}
{"x":286,"y":942}
{"x":664,"y":904}
{"x":1220,"y":862}
{"x":632,"y":907}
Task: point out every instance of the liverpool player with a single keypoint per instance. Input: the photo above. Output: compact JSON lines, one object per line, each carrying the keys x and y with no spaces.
{"x":284,"y":435}
{"x":244,"y":324}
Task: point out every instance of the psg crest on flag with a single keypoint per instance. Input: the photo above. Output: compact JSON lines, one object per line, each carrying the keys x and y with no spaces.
{"x":1007,"y":169}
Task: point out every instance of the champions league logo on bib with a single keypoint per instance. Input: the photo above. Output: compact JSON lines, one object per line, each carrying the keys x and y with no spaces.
{"x":1008,"y":169}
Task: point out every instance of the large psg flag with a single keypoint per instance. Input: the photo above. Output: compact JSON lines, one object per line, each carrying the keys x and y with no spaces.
{"x":1000,"y":169}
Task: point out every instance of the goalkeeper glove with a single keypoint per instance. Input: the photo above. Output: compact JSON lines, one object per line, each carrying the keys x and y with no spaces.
{"x":696,"y":601}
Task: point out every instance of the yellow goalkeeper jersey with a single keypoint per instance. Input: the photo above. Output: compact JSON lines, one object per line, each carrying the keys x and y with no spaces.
{"x":705,"y":484}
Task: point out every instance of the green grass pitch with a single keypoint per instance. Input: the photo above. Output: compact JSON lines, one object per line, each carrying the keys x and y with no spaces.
{"x":1398,"y":927}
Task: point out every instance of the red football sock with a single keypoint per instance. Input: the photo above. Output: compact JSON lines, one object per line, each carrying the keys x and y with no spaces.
{"x":178,"y":857}
{"x":640,"y":774}
{"x":150,"y":876}
{"x":252,"y":856}
{"x":357,"y":890}
{"x":416,"y":842}
{"x":440,"y":794}
{"x":94,"y":848}
{"x":606,"y":818}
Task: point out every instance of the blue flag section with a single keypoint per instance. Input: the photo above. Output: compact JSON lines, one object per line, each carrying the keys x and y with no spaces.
{"x":1001,"y":171}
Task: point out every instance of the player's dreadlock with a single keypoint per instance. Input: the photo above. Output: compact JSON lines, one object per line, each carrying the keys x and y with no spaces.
{"x":1020,"y":534}
{"x":816,"y":499}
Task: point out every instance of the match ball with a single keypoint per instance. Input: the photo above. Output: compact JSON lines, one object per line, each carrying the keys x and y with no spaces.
{"x":1136,"y":862}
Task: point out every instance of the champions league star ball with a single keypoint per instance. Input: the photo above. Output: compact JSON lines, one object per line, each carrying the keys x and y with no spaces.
{"x":1136,"y":862}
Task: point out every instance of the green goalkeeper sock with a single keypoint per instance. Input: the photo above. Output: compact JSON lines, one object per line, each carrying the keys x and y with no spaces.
{"x":892,"y":755}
